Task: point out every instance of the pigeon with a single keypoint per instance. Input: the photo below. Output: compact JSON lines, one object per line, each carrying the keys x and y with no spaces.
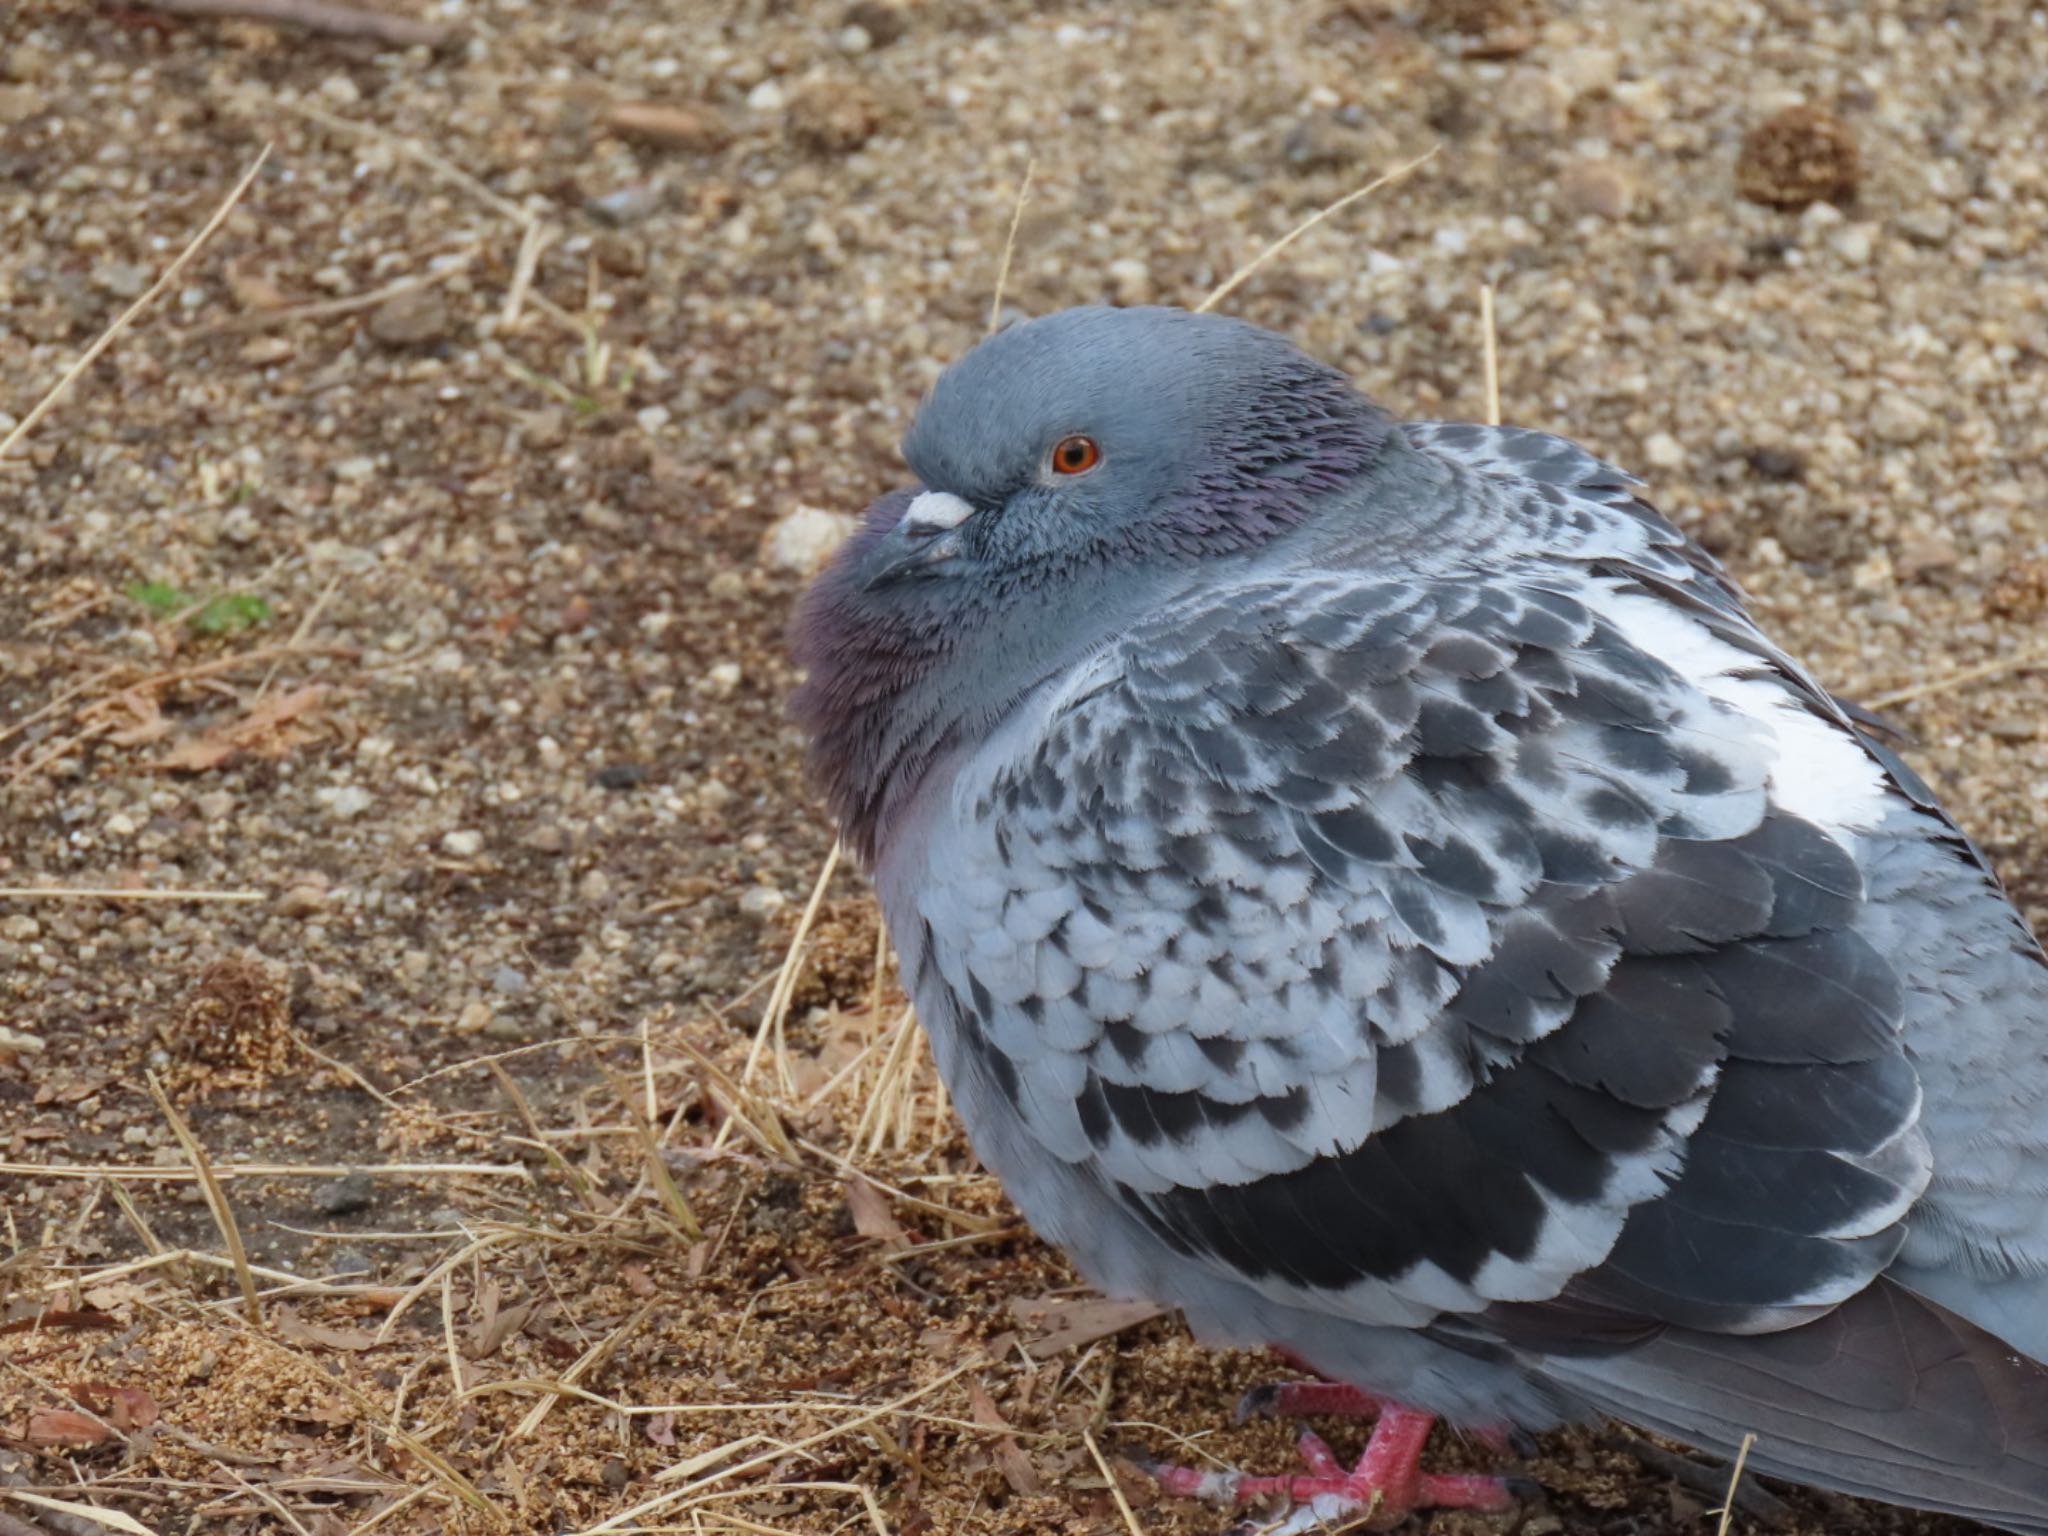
{"x":1372,"y":886}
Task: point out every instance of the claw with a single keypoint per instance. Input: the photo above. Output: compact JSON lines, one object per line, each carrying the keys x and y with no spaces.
{"x":1260,"y":1402}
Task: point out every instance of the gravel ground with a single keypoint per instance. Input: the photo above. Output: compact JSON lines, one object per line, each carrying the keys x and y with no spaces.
{"x":419,"y":563}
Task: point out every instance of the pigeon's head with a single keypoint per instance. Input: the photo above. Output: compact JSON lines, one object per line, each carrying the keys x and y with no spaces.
{"x":1097,"y":436}
{"x":1062,"y":464}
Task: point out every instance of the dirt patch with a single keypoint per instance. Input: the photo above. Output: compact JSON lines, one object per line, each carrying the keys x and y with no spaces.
{"x":403,"y":580}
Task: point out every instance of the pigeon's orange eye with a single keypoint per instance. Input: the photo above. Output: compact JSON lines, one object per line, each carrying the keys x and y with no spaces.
{"x":1076,"y":455}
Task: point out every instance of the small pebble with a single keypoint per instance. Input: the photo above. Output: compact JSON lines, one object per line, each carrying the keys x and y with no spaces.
{"x":301,"y":901}
{"x":463,"y":844}
{"x":346,"y":1195}
{"x":628,"y":205}
{"x":884,"y":21}
{"x":123,"y":279}
{"x":762,"y":901}
{"x":1596,"y":188}
{"x":806,"y":538}
{"x":663,"y":125}
{"x":1663,"y":451}
{"x":417,"y":317}
{"x":834,"y":117}
{"x":1899,"y":421}
{"x":347,"y":801}
{"x":1130,"y":280}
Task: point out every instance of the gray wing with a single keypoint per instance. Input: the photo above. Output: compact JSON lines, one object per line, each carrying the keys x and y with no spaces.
{"x":1410,"y":947}
{"x":1976,"y":1003}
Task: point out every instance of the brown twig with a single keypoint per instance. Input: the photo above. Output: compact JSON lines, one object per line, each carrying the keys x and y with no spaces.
{"x":318,"y":16}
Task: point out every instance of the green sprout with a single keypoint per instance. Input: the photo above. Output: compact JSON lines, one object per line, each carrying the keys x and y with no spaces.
{"x":226,"y":613}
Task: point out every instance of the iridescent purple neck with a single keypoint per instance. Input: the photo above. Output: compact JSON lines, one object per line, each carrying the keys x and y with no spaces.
{"x":897,"y":678}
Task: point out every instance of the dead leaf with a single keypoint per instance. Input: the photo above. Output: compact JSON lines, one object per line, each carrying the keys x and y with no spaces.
{"x":134,"y":1408}
{"x":61,"y":1426}
{"x":124,"y":1407}
{"x":58,"y":1317}
{"x":496,"y":1329}
{"x":871,"y":1214}
{"x":150,"y":724}
{"x":260,"y":730}
{"x":293,"y":1327}
{"x":1065,"y":1325}
{"x":1010,"y":1458}
{"x":638,"y":1281}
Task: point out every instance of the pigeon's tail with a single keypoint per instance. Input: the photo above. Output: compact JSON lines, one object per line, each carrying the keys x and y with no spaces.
{"x":1890,"y":1397}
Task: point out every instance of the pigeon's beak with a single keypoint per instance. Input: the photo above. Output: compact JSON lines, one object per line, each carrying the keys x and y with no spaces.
{"x":924,"y":538}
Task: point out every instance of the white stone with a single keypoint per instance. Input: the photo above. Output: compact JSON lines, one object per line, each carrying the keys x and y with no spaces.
{"x":463,"y":844}
{"x":1853,"y":243}
{"x":805,"y":539}
{"x":1130,"y":280}
{"x":347,"y":801}
{"x":1663,"y":451}
{"x":1897,"y":420}
{"x":763,"y":901}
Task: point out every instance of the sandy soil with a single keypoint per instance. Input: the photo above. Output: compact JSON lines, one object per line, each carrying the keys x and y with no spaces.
{"x":417,"y":567}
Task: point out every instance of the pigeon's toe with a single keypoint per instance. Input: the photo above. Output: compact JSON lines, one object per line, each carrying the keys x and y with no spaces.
{"x":1386,"y":1485}
{"x":1307,"y":1399}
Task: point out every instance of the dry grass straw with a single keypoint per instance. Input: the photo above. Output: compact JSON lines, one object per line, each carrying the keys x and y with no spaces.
{"x":112,"y":1519}
{"x":1948,"y":682}
{"x":216,"y":1199}
{"x":656,"y":1170}
{"x":775,"y":1016}
{"x":1236,"y":279}
{"x":1490,"y":341}
{"x":995,"y":303}
{"x":1727,"y":1510}
{"x":1123,"y":1505}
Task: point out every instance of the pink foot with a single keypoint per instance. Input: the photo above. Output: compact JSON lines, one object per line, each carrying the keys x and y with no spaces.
{"x":1387,"y":1484}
